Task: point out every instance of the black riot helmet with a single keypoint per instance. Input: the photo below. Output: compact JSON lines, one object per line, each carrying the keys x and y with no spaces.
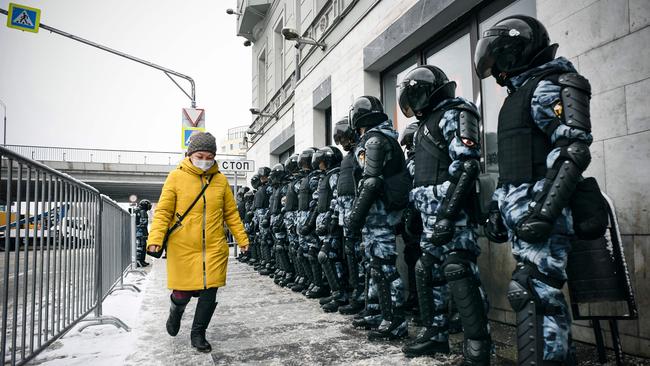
{"x":330,"y":155}
{"x":344,"y":135}
{"x":513,"y":45}
{"x":366,"y":111}
{"x":407,"y":135}
{"x":291,"y":164}
{"x":255,"y":181}
{"x":277,"y":173}
{"x":423,"y":88}
{"x":304,"y":160}
{"x":145,"y":205}
{"x":264,"y":171}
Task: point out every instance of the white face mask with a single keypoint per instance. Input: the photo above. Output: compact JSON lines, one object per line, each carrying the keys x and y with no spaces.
{"x":203,"y":164}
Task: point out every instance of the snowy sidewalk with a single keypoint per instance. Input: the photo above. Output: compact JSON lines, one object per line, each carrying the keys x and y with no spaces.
{"x":256,"y":322}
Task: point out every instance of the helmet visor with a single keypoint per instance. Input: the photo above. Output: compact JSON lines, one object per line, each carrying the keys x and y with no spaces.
{"x":414,"y":96}
{"x":484,"y":57}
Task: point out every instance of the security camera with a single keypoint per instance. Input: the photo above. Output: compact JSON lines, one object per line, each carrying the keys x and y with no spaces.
{"x":231,"y":12}
{"x":250,"y":131}
{"x":247,"y":43}
{"x":254,"y":110}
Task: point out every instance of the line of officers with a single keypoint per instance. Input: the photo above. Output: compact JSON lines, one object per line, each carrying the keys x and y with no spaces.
{"x":324,"y":222}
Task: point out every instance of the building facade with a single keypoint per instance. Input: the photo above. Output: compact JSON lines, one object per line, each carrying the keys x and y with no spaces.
{"x":369,"y":45}
{"x":235,"y":142}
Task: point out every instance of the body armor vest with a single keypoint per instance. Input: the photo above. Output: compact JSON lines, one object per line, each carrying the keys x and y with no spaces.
{"x":431,"y":152}
{"x":350,"y":174}
{"x":304,"y":193}
{"x":261,"y":198}
{"x":275,"y":202}
{"x":523,"y":147}
{"x":292,"y":197}
{"x":325,"y":192}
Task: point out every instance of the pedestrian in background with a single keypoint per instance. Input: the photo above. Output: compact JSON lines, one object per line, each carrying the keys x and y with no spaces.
{"x":197,"y":251}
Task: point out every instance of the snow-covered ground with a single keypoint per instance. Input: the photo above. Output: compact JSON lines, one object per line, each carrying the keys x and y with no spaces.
{"x":256,"y":322}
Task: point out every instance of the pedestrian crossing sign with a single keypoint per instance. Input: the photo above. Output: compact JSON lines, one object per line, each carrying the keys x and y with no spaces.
{"x":24,"y":18}
{"x":187,"y":134}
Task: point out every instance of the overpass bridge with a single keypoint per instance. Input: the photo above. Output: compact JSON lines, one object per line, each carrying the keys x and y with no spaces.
{"x":117,"y":173}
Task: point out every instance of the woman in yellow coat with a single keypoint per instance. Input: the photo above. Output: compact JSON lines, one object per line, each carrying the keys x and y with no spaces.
{"x":197,"y":251}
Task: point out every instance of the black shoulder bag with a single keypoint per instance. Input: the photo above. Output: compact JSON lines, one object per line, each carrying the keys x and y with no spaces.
{"x":177,"y":224}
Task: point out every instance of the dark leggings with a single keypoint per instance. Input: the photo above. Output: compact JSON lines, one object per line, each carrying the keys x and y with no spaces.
{"x":182,"y":297}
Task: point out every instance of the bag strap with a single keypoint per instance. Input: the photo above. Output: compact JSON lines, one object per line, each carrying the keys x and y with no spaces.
{"x":180,"y":218}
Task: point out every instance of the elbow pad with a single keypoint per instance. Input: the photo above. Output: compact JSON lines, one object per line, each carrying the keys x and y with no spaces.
{"x":367,"y":196}
{"x":458,"y":192}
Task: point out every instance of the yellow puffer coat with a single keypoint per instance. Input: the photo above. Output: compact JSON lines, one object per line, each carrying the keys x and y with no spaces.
{"x":197,"y":252}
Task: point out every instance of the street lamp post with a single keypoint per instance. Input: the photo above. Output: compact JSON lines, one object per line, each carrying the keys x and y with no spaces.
{"x":4,"y":129}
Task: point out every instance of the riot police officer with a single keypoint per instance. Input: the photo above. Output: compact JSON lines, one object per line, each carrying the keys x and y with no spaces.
{"x":411,"y":226}
{"x":142,"y":231}
{"x":296,"y":276}
{"x":261,"y":205}
{"x":382,"y":194}
{"x":309,"y":242}
{"x":349,"y":175}
{"x":253,"y":223}
{"x":276,"y":220}
{"x":446,"y":166}
{"x":543,"y":134}
{"x":241,"y":208}
{"x":249,"y":197}
{"x":328,"y":160}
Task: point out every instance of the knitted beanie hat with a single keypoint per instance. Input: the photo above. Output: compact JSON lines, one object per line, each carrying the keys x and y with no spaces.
{"x":202,"y":141}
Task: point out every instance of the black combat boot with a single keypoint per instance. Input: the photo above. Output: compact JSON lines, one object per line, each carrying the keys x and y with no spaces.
{"x":176,"y":310}
{"x":424,"y":345}
{"x":202,"y":317}
{"x":353,"y":307}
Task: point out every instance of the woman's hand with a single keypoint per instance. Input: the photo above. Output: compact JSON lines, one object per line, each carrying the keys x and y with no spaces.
{"x":153,"y":248}
{"x":244,"y":249}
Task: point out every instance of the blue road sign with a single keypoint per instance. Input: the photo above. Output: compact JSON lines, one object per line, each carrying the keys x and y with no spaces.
{"x":24,"y":18}
{"x":187,"y":133}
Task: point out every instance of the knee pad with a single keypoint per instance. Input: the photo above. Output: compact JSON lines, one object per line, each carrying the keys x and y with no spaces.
{"x":322,"y":257}
{"x":457,"y":266}
{"x":312,"y":253}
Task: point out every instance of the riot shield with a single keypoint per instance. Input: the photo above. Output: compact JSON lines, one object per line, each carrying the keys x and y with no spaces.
{"x":598,"y":279}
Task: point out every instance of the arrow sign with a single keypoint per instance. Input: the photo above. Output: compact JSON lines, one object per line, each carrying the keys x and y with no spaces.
{"x":24,"y":18}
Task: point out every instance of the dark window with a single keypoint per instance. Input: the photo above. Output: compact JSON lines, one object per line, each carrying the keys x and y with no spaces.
{"x":453,"y":50}
{"x":328,"y":126}
{"x":285,"y":154}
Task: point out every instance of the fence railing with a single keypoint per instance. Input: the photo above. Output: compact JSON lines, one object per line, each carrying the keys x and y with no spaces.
{"x":82,"y":155}
{"x":65,"y":248}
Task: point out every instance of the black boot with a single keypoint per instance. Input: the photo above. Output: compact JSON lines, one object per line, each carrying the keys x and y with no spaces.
{"x":175,"y":314}
{"x":423,"y":345}
{"x":202,"y":316}
{"x":353,"y":307}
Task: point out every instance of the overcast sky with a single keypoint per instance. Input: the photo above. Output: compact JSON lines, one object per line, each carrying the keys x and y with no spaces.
{"x":60,"y":92}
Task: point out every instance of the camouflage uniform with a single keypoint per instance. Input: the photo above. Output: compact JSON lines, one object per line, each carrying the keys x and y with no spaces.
{"x":309,"y":242}
{"x":264,"y":238}
{"x":549,"y":257}
{"x":141,"y":232}
{"x":426,"y":200}
{"x":378,"y":238}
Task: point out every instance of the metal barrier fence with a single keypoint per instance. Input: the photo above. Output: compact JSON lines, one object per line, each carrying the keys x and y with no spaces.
{"x":65,"y":248}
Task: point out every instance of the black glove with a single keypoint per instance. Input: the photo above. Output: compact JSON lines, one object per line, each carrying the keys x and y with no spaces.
{"x":412,"y":221}
{"x":533,"y":229}
{"x":443,"y":231}
{"x":277,"y":225}
{"x":265,"y":223}
{"x":494,"y":228}
{"x":334,"y":227}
